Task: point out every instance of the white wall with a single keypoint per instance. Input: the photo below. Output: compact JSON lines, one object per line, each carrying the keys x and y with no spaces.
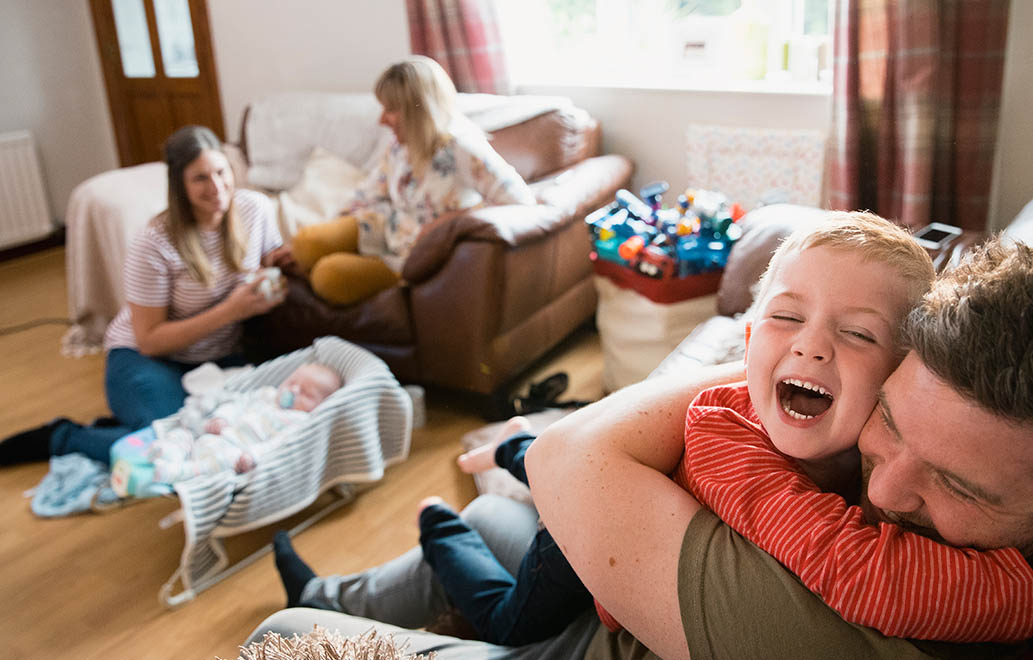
{"x":268,"y":46}
{"x":51,"y":83}
{"x":648,"y":125}
{"x":1013,"y":170}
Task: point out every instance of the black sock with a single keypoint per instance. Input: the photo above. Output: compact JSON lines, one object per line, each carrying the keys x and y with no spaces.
{"x":294,"y":572}
{"x":30,"y":445}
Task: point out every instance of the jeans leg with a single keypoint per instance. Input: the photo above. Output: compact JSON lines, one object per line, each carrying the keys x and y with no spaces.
{"x":141,"y":389}
{"x":93,"y":441}
{"x":476,"y":582}
{"x":509,"y":455}
{"x":546,"y":597}
{"x":405,"y":591}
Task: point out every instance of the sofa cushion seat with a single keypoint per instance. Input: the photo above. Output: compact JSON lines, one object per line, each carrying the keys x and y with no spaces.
{"x":384,"y":320}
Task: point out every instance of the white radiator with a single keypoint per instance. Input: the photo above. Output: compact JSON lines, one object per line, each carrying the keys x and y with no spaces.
{"x":24,"y":212}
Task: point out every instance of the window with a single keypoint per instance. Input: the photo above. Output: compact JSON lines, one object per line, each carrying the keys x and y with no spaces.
{"x":176,"y":34}
{"x":134,"y":42}
{"x":668,"y":43}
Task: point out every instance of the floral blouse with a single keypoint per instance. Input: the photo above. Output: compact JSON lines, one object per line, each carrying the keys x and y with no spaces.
{"x":393,"y":204}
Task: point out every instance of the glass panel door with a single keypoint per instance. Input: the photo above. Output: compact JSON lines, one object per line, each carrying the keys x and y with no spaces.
{"x":134,"y":41}
{"x":176,"y":34}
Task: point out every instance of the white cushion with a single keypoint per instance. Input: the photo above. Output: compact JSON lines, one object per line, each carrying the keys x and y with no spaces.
{"x":282,"y":130}
{"x":327,"y":185}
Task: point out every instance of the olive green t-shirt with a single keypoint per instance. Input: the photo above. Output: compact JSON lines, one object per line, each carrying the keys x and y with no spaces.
{"x":739,"y":602}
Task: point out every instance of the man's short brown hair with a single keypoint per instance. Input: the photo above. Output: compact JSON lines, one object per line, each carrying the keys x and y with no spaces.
{"x":974,"y":329}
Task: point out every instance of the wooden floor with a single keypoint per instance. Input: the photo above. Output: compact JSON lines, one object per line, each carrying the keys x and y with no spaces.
{"x":87,"y":586}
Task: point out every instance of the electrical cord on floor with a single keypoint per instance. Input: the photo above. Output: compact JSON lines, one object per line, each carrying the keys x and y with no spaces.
{"x":35,"y":323}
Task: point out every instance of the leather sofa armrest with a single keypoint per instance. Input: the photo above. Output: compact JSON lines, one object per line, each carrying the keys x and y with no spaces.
{"x":512,"y":224}
{"x":585,"y":186}
{"x":566,"y":196}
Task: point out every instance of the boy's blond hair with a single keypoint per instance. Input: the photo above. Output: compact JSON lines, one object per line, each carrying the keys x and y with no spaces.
{"x":875,"y":239}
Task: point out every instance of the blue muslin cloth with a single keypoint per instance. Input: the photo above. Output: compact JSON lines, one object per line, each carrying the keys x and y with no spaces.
{"x":70,"y":486}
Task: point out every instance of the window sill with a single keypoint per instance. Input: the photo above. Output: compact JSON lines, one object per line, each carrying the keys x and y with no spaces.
{"x":788,"y":87}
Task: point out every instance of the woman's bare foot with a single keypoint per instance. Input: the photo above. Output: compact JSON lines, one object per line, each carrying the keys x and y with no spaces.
{"x":482,"y":458}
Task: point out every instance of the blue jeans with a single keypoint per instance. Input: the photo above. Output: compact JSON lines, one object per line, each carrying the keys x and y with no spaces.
{"x":536,"y":604}
{"x":139,"y":389}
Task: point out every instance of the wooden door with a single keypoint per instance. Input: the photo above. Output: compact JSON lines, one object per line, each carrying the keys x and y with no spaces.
{"x":159,"y":71}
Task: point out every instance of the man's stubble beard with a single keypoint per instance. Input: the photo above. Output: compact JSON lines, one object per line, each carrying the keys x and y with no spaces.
{"x":911,"y":522}
{"x":918,"y":523}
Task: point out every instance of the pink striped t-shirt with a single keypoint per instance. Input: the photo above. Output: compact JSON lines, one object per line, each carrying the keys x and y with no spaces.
{"x":154,"y":275}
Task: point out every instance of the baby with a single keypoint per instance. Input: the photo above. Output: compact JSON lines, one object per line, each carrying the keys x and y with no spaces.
{"x":760,"y":454}
{"x":230,"y":430}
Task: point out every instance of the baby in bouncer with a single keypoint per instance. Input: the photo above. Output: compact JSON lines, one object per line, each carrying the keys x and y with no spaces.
{"x":228,"y":430}
{"x":218,"y":431}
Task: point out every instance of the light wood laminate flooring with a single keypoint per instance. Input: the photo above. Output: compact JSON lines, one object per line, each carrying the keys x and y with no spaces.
{"x":87,"y":586}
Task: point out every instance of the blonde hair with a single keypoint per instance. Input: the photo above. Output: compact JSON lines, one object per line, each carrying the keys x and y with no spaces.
{"x":181,"y":149}
{"x":423,"y":94}
{"x":874,"y":239}
{"x":974,"y":329}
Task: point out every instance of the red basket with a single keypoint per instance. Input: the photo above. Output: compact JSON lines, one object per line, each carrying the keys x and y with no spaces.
{"x":664,"y":291}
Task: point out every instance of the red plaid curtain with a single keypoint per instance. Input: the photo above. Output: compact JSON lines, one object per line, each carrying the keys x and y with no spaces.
{"x":463,"y":36}
{"x":917,"y":94}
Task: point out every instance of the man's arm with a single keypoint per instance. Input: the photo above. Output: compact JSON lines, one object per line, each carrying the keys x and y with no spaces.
{"x":599,"y":480}
{"x":895,"y":581}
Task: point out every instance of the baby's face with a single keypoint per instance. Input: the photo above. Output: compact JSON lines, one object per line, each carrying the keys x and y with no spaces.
{"x":821,"y":345}
{"x":307,"y":387}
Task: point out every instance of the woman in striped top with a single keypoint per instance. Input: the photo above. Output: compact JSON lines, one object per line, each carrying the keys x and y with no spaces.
{"x":186,"y":296}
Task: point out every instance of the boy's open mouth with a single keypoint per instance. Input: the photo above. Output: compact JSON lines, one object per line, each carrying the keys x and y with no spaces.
{"x":802,"y":400}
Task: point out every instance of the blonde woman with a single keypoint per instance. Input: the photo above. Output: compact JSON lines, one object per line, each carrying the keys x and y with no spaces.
{"x":186,"y":295}
{"x":436,"y":165}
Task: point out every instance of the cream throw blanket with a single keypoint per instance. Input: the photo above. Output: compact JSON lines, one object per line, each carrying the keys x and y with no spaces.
{"x":104,"y":214}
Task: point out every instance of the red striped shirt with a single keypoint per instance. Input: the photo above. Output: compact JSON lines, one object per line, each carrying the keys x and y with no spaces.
{"x":898,"y":582}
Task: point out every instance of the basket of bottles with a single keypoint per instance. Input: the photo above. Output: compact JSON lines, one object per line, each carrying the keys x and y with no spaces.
{"x":664,"y":254}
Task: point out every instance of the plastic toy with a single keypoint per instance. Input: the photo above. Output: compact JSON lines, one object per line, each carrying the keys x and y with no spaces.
{"x":695,"y":237}
{"x":132,"y":475}
{"x":653,"y":193}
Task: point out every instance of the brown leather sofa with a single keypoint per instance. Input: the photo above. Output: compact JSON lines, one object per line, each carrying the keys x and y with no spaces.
{"x":488,"y":293}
